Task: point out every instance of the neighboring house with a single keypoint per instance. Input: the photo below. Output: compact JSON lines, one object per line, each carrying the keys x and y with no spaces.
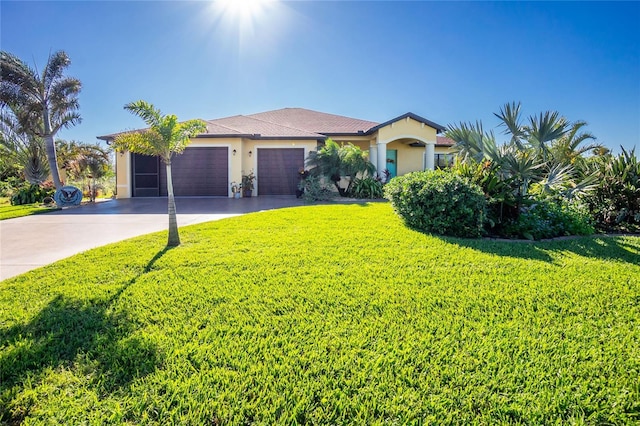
{"x":275,"y":144}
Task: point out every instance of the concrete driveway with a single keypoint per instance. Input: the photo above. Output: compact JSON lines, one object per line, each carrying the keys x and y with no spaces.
{"x":29,"y":242}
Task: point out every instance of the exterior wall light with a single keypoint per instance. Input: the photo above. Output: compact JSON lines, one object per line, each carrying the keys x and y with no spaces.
{"x":250,"y":153}
{"x":234,"y":152}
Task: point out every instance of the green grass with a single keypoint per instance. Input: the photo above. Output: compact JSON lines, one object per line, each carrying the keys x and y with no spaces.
{"x":325,"y":315}
{"x":7,"y":211}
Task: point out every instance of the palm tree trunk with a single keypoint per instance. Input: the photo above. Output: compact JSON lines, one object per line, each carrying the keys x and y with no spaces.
{"x":50,"y":147}
{"x":174,"y":237}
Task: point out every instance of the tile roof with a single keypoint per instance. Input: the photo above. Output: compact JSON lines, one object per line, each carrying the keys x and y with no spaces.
{"x":314,"y":121}
{"x":296,"y":123}
{"x":248,"y":125}
{"x":444,"y":141}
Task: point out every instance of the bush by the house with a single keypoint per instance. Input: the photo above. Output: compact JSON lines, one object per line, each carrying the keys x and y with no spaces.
{"x":549,"y":219}
{"x":313,"y":189}
{"x":438,"y":202}
{"x":367,"y":188}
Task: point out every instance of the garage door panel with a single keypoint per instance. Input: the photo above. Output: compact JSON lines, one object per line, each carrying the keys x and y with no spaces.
{"x":278,"y":170}
{"x":198,"y":172}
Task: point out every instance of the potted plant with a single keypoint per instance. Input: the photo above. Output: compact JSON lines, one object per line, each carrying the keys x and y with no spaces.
{"x":235,"y":189}
{"x":247,"y":184}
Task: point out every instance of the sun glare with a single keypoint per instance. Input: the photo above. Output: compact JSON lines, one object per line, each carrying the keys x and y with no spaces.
{"x":244,"y":11}
{"x":253,"y":26}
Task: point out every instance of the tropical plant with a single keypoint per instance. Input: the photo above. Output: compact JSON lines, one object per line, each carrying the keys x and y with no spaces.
{"x":537,"y":134}
{"x":327,"y":162}
{"x":549,"y":218}
{"x":355,"y":163}
{"x":28,"y":193}
{"x":539,"y":160}
{"x":248,"y":183}
{"x":615,"y":200}
{"x":312,"y":188}
{"x":367,"y":187}
{"x":333,"y":162}
{"x":87,"y":163}
{"x":46,"y":101}
{"x":164,"y":138}
{"x":17,"y":147}
{"x":571,"y":147}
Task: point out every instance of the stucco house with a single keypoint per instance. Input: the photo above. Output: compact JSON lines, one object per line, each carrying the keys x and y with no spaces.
{"x":274,"y":145}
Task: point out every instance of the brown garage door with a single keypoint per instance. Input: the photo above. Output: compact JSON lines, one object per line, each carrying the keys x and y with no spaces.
{"x":278,"y":170}
{"x":198,"y":172}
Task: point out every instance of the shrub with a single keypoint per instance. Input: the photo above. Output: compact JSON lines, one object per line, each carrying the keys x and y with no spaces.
{"x":314,"y":190}
{"x":28,"y":193}
{"x":438,"y":202}
{"x":8,"y":186}
{"x":367,"y":188}
{"x":549,"y":219}
{"x":615,"y":200}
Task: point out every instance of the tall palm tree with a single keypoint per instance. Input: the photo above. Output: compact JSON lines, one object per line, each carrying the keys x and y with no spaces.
{"x":164,"y":137}
{"x":48,"y":100}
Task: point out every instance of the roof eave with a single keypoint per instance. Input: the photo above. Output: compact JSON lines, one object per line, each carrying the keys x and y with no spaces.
{"x":439,"y":128}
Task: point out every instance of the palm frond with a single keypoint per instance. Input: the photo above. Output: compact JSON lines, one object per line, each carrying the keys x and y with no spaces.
{"x":509,"y":116}
{"x":147,"y":112}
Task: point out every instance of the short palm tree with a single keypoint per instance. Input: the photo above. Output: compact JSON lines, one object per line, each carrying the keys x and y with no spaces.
{"x":84,"y":162}
{"x":570,"y":148}
{"x":164,"y":137}
{"x":327,"y":162}
{"x":48,"y":101}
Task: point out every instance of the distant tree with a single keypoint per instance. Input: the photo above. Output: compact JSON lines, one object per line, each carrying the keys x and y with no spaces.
{"x":164,"y":138}
{"x":46,"y":101}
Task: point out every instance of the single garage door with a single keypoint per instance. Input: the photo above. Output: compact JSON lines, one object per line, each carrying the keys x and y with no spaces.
{"x":198,"y":172}
{"x":195,"y":172}
{"x":278,"y":170}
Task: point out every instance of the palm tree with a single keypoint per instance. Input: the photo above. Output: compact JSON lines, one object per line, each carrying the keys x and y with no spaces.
{"x":47,"y":101}
{"x":355,"y":163}
{"x":164,"y":137}
{"x":84,"y":162}
{"x":570,"y":148}
{"x":327,"y":162}
{"x":28,"y":152}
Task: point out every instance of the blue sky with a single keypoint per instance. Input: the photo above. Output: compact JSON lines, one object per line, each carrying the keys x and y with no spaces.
{"x":374,"y":60}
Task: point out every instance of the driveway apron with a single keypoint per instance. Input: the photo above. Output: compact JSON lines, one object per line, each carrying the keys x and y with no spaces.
{"x":30,"y":242}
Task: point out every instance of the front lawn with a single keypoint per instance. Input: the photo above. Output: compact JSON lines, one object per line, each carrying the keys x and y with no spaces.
{"x":7,"y":211}
{"x":325,"y":315}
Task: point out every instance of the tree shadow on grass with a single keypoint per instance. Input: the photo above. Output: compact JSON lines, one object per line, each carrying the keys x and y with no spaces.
{"x":614,"y":248}
{"x":70,"y":333}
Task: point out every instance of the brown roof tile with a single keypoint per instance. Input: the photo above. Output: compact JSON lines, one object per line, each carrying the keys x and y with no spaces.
{"x":444,"y":141}
{"x":247,"y":125}
{"x":314,"y":121}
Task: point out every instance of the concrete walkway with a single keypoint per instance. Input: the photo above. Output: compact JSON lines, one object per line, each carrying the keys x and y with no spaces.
{"x":30,"y":242}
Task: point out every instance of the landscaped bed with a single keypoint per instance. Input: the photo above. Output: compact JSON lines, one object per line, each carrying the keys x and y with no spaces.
{"x":325,"y":315}
{"x":7,"y":211}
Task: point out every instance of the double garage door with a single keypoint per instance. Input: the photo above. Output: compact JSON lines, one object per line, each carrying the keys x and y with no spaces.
{"x":195,"y":172}
{"x":205,"y":172}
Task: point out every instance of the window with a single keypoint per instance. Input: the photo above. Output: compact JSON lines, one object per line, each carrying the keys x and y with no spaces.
{"x":443,"y":161}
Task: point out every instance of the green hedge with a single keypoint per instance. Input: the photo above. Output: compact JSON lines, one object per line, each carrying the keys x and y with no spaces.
{"x":438,"y":202}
